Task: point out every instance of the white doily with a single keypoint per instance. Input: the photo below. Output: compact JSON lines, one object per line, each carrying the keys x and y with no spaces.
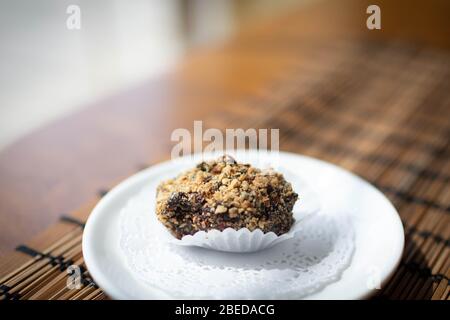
{"x":295,"y":268}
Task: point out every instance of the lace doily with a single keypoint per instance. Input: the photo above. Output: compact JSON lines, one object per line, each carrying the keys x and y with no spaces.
{"x":295,"y":268}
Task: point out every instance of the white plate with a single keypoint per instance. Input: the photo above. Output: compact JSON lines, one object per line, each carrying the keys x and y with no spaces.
{"x":379,"y":236}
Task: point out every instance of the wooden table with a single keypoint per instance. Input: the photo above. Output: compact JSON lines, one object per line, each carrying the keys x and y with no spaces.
{"x":375,"y":102}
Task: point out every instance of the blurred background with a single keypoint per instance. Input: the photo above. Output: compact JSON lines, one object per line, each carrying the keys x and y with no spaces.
{"x":48,"y":71}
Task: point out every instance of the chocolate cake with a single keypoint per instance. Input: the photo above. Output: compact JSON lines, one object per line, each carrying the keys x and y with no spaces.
{"x":223,"y":193}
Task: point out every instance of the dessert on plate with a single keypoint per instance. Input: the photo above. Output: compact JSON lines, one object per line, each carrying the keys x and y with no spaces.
{"x":221,"y":194}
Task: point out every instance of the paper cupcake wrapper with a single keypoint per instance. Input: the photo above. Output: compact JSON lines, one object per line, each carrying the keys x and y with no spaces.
{"x":244,"y":240}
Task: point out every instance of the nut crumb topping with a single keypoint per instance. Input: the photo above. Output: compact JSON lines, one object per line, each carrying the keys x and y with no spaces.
{"x":223,"y":193}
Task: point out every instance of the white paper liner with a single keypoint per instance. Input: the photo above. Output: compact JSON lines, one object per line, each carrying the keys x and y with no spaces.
{"x":244,"y":240}
{"x":231,"y":240}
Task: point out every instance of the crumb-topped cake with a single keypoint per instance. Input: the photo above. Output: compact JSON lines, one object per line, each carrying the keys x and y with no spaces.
{"x":223,"y":193}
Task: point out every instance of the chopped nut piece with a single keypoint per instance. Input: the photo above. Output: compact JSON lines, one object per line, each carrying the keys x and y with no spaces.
{"x":235,"y":183}
{"x":233,"y":212}
{"x":221,"y":209}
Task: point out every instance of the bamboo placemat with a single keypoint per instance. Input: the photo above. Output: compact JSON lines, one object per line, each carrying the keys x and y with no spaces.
{"x":381,"y":110}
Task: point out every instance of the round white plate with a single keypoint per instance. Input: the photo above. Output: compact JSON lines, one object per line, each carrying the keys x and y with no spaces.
{"x":379,"y":236}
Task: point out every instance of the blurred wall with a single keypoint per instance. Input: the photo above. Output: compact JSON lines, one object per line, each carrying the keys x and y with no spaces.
{"x":48,"y":71}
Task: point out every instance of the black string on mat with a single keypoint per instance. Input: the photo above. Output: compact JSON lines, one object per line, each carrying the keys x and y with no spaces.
{"x":54,"y":260}
{"x":72,"y":220}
